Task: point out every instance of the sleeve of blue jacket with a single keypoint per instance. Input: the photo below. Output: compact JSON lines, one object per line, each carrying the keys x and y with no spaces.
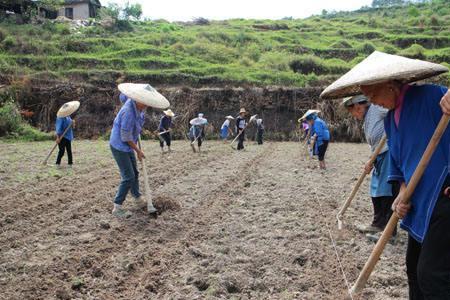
{"x":126,"y":126}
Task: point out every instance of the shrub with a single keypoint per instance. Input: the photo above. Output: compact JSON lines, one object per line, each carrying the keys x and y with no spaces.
{"x":367,"y":48}
{"x":307,"y":65}
{"x":413,"y":12}
{"x":9,"y":42}
{"x":390,"y":49}
{"x":414,"y":51}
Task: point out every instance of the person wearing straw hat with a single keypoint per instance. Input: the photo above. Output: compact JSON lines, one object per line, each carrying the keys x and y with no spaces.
{"x":240,"y":128}
{"x":125,"y":133}
{"x":416,"y":112}
{"x":164,"y":128}
{"x":382,"y":192}
{"x":225,"y":130}
{"x":197,"y":130}
{"x":319,"y":134}
{"x":64,"y":131}
{"x":259,"y":131}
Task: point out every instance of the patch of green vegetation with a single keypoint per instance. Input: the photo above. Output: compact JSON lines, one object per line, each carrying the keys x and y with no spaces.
{"x":297,"y":52}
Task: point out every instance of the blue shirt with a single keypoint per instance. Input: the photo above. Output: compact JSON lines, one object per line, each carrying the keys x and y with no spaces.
{"x":320,"y":128}
{"x":420,"y":115}
{"x":165,"y":123}
{"x":195,"y":131}
{"x":61,"y":125}
{"x":127,"y":127}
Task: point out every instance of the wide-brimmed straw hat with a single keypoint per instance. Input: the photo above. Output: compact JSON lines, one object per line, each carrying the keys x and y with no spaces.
{"x":349,"y":101}
{"x":169,"y":113}
{"x":308,"y":113}
{"x":198,"y":121}
{"x":144,"y":93}
{"x":380,"y":67}
{"x":229,"y":117}
{"x":67,"y":109}
{"x":242,"y":111}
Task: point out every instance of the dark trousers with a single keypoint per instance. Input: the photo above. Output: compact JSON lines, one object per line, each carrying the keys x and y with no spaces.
{"x":165,"y":138}
{"x":428,"y":264}
{"x":259,"y":137}
{"x":382,"y":208}
{"x":241,"y":139}
{"x":64,"y":145}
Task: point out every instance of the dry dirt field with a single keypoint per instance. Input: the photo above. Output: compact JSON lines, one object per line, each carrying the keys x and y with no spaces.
{"x":234,"y":225}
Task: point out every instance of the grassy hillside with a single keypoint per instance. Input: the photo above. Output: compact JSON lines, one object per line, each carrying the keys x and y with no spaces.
{"x":298,"y":53}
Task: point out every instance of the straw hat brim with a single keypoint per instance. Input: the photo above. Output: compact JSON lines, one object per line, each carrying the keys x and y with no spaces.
{"x":229,"y":117}
{"x":67,"y":109}
{"x":169,"y":113}
{"x":354,"y":100}
{"x":198,"y":121}
{"x":381,"y":67}
{"x":309,"y":112}
{"x":145,"y":94}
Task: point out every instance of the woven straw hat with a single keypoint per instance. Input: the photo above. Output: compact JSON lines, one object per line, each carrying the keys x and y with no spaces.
{"x":229,"y":117}
{"x":169,"y":113}
{"x":198,"y":121}
{"x":309,"y":112}
{"x":242,"y":111}
{"x":380,"y":67}
{"x":67,"y":109}
{"x":144,"y":93}
{"x":354,"y":100}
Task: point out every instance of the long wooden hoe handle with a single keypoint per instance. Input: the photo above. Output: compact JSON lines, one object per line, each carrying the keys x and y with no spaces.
{"x":56,"y":144}
{"x":151,"y":209}
{"x":346,"y":204}
{"x":232,"y":142}
{"x":387,"y":233}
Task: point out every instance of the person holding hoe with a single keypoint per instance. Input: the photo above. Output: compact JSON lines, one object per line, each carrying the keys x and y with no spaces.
{"x":164,"y":129}
{"x":319,"y":134}
{"x":382,"y":192}
{"x":197,"y":131}
{"x":225,"y":130}
{"x":124,"y":138}
{"x":416,"y":113}
{"x":259,"y":131}
{"x":241,"y":123}
{"x":64,"y":131}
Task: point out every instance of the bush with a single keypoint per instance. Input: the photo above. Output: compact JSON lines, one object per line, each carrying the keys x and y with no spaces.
{"x":390,"y":49}
{"x":307,"y":65}
{"x":9,"y":42}
{"x":367,"y":48}
{"x":414,"y":51}
{"x":413,"y":12}
{"x":13,"y":126}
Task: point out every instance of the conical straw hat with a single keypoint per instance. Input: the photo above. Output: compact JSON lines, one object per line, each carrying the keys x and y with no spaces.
{"x":380,"y":67}
{"x":169,"y":113}
{"x":229,"y":117}
{"x":145,"y":94}
{"x":198,"y":121}
{"x":354,"y":100}
{"x":309,"y":112}
{"x":67,"y":109}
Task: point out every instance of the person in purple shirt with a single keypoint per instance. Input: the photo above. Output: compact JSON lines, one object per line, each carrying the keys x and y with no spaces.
{"x":414,"y":112}
{"x":64,"y":142}
{"x":125,"y":133}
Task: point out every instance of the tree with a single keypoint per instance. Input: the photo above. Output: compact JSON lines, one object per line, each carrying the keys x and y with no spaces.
{"x":132,"y":10}
{"x":50,"y":4}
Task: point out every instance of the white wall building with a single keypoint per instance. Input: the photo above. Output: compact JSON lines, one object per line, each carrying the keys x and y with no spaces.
{"x":79,"y":9}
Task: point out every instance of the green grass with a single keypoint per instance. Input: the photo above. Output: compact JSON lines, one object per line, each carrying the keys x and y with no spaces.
{"x":259,"y":52}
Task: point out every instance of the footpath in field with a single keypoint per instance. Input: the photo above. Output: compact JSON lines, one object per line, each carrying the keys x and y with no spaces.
{"x":234,"y":224}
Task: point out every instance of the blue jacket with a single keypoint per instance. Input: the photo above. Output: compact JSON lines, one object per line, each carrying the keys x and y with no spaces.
{"x":61,"y":125}
{"x":127,"y":127}
{"x":320,"y":128}
{"x":418,"y":119}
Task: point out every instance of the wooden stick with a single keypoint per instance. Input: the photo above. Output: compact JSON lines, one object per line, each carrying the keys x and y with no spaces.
{"x":150,"y":208}
{"x":346,"y":204}
{"x":387,"y":233}
{"x":56,"y":144}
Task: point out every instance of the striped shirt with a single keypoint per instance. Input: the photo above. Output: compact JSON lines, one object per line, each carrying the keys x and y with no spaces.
{"x":374,"y":126}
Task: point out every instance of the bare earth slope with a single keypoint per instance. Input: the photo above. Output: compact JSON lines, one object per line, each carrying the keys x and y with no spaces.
{"x":242,"y":225}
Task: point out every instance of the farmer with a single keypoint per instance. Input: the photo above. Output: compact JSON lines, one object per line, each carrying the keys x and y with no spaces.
{"x":64,"y":131}
{"x":259,"y":131}
{"x":197,"y":130}
{"x":414,"y":112}
{"x":240,"y":128}
{"x":164,"y":129}
{"x":125,"y":133}
{"x":225,"y":130}
{"x":305,"y":129}
{"x":320,"y":135}
{"x":381,"y":191}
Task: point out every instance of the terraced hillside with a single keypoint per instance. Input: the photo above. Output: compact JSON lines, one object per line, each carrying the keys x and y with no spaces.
{"x":306,"y":52}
